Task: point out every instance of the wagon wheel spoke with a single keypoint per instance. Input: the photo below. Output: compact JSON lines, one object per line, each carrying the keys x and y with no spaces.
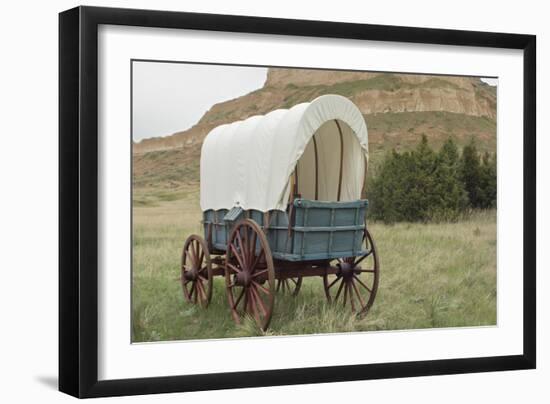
{"x":358,"y":294}
{"x":291,"y":286}
{"x":233,"y":267}
{"x":245,"y":253}
{"x":201,"y":259}
{"x":257,"y":259}
{"x":191,"y":254}
{"x":239,"y":298}
{"x":345,"y":293}
{"x":237,"y":255}
{"x":356,"y":263}
{"x":260,"y":273}
{"x":262,"y":288}
{"x":246,"y":301}
{"x":197,"y":254}
{"x":339,"y":290}
{"x":194,"y":292}
{"x":200,"y":291}
{"x":350,"y":290}
{"x":261,"y":304}
{"x":361,"y":283}
{"x":240,"y":240}
{"x":252,"y":247}
{"x":334,"y":282}
{"x":253,"y":308}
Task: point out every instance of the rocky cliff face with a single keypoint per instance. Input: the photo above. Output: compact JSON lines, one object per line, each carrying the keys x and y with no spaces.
{"x":373,"y":93}
{"x":384,"y":92}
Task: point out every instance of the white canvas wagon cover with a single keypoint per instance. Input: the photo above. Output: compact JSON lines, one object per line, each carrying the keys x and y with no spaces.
{"x":251,"y":163}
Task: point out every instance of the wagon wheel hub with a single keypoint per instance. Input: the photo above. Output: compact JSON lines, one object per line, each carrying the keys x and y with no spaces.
{"x":191,"y":275}
{"x":243,"y":278}
{"x":347,"y":269}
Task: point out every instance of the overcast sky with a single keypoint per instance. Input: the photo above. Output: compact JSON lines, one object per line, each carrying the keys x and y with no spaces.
{"x":491,"y":82}
{"x":171,"y":97}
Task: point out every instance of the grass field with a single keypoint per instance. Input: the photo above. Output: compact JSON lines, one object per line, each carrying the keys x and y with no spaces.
{"x":432,"y":275}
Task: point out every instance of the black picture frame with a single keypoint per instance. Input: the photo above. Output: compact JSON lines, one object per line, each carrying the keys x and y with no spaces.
{"x":78,"y":200}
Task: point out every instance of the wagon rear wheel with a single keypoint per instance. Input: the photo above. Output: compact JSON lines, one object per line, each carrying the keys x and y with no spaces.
{"x":356,"y":283}
{"x":249,"y":274}
{"x":289,"y":285}
{"x":196,"y":271}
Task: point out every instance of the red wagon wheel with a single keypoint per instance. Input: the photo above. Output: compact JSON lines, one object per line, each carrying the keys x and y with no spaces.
{"x":289,"y":285}
{"x":356,"y":283}
{"x":249,"y":274}
{"x":196,"y":271}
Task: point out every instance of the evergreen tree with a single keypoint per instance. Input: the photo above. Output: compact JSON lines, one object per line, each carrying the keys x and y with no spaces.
{"x":488,"y":182}
{"x":449,"y":153}
{"x":470,"y":171}
{"x":449,"y":187}
{"x":423,"y":181}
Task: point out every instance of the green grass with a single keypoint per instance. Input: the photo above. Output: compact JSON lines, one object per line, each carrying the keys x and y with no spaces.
{"x":432,"y":275}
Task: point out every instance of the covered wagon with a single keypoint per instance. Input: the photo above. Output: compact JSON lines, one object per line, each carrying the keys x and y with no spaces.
{"x":283,"y":198}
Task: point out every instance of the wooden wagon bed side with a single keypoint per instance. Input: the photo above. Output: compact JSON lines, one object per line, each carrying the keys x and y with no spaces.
{"x":321,"y":230}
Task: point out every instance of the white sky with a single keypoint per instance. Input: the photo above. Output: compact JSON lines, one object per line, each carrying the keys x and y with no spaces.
{"x":491,"y":82}
{"x":170,"y":97}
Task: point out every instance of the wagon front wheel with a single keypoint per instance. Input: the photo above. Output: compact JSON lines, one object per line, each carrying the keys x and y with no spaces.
{"x":356,"y":283}
{"x":196,"y":271}
{"x":249,"y":274}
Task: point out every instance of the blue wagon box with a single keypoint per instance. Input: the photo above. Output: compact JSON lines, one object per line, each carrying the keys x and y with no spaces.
{"x":322,"y":230}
